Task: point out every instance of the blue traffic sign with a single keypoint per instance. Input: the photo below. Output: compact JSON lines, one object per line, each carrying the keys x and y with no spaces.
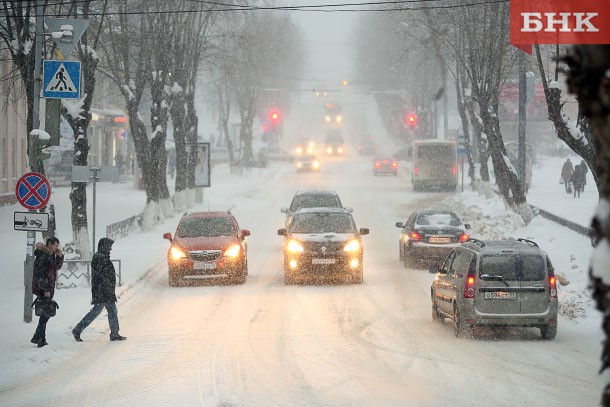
{"x":61,"y":79}
{"x":33,"y":190}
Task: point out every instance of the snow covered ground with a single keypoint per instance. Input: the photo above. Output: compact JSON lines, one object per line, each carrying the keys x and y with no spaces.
{"x":266,"y":344}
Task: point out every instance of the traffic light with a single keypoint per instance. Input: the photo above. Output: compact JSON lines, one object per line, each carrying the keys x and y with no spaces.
{"x":275,"y":117}
{"x":36,"y":151}
{"x":411,"y":120}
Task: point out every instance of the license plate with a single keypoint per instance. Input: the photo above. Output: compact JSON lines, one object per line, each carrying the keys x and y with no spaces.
{"x":322,"y":261}
{"x":440,"y":240}
{"x":200,"y":265}
{"x":500,"y":295}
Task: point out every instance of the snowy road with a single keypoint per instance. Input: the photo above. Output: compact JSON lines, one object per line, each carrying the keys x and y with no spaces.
{"x":263,"y":343}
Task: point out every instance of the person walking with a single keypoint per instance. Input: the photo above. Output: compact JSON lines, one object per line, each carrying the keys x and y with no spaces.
{"x":578,"y":179}
{"x":103,"y":282}
{"x":47,"y":260}
{"x":566,"y":174}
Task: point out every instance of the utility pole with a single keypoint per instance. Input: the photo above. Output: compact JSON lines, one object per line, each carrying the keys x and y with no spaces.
{"x":28,"y":265}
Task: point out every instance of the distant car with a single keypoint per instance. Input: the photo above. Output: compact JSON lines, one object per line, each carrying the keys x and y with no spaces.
{"x":207,"y":245}
{"x":385,"y":165}
{"x":367,"y":147}
{"x":496,"y":283}
{"x":334,"y":142}
{"x":322,"y":244}
{"x":429,"y":235}
{"x":307,"y":162}
{"x":312,"y":199}
{"x":304,"y":147}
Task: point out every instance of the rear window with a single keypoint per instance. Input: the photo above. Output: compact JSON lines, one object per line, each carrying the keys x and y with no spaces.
{"x":512,"y":267}
{"x":206,"y":227}
{"x":322,"y":223}
{"x":436,"y":152}
{"x":315,"y":201}
{"x":440,"y":219}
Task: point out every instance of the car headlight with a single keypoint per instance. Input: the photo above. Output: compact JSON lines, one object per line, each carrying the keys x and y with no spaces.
{"x":176,"y":253}
{"x":339,"y":119}
{"x":233,"y":251}
{"x":327,"y":118}
{"x":352,"y":246}
{"x":315,"y":164}
{"x":294,"y":247}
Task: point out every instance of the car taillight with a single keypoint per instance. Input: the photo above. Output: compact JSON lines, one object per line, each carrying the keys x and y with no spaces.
{"x":394,"y":165}
{"x":552,"y":287}
{"x":414,"y":236}
{"x":464,"y":237}
{"x":415,"y":171}
{"x":377,"y":164}
{"x":469,"y":286}
{"x":455,"y":170}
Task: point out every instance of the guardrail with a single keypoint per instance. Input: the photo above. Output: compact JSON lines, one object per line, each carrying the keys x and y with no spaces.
{"x":123,"y":228}
{"x":583,"y":230}
{"x":82,"y":268}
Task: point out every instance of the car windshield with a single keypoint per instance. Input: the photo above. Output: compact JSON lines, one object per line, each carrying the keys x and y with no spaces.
{"x":438,"y":219}
{"x":512,"y":267}
{"x":315,"y":201}
{"x":322,"y":223}
{"x":205,"y":227}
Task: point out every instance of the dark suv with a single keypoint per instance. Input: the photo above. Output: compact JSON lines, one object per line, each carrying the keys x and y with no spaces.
{"x":312,"y":199}
{"x":207,"y":245}
{"x":496,"y":283}
{"x":322,"y":243}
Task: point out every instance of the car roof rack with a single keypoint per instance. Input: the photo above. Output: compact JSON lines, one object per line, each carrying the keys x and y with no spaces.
{"x":478,"y":242}
{"x":527,"y":241}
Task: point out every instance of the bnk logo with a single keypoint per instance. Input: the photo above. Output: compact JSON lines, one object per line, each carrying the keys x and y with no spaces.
{"x":559,"y":22}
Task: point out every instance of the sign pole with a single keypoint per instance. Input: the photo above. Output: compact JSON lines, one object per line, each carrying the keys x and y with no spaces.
{"x":28,"y":265}
{"x":95,"y":170}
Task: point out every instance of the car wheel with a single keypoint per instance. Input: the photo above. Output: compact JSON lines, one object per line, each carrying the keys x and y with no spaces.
{"x":288,"y":279}
{"x":436,"y":316}
{"x":408,"y":258}
{"x":548,"y":332}
{"x":401,"y":252}
{"x":458,"y":324}
{"x":241,"y":279}
{"x":358,"y":277}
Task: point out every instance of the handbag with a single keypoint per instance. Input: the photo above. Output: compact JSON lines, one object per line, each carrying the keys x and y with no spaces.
{"x":45,"y":307}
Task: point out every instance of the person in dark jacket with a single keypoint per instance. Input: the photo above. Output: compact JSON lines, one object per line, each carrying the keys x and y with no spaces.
{"x":47,"y":260}
{"x":579,"y":178}
{"x":103,"y":282}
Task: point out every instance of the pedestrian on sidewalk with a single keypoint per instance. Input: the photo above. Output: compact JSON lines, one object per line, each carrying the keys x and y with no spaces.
{"x":578,"y":179}
{"x":566,"y":174}
{"x":103,"y":282}
{"x":47,"y":260}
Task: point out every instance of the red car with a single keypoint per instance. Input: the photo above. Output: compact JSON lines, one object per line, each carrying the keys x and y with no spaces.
{"x":207,"y":245}
{"x":385,"y":166}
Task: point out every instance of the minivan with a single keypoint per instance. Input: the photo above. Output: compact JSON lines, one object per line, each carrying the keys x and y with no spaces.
{"x":434,"y":165}
{"x":496,"y":283}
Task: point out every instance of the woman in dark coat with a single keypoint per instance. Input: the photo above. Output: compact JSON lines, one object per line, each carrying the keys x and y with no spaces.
{"x":47,"y":260}
{"x":103,"y":282}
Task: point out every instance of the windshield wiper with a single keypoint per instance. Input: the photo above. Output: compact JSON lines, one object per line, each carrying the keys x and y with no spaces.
{"x":495,"y":278}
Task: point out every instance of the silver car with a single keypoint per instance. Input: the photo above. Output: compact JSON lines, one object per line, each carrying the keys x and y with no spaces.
{"x":496,"y":283}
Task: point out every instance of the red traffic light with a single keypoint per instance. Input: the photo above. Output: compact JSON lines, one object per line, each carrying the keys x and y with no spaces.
{"x":275,"y":117}
{"x":411,"y":120}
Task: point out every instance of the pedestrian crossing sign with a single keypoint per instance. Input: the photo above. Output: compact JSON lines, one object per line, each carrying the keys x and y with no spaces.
{"x":61,"y":79}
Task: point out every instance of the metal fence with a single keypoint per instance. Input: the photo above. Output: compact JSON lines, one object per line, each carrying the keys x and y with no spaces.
{"x":78,"y":269}
{"x":123,"y":228}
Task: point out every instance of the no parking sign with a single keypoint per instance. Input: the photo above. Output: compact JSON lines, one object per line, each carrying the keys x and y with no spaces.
{"x":33,"y":190}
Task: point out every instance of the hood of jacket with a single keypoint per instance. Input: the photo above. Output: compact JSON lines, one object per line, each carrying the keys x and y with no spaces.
{"x":105,"y":245}
{"x":41,"y":248}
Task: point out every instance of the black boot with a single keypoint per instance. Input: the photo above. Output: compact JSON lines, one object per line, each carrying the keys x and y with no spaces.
{"x":117,"y":337}
{"x":76,"y":336}
{"x":34,"y":339}
{"x":42,"y":342}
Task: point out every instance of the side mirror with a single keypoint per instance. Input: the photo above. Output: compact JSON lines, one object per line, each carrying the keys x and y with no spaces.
{"x":167,"y":236}
{"x":400,"y":225}
{"x":434,"y":269}
{"x":350,"y":210}
{"x":364,"y":231}
{"x":467,"y":225}
{"x":245,"y":232}
{"x":281,"y":232}
{"x":284,"y":210}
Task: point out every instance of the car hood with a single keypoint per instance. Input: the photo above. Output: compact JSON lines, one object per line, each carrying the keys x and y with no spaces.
{"x":323,"y":237}
{"x":205,"y":243}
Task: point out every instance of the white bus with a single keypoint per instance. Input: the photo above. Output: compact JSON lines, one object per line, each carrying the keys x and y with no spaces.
{"x":434,"y":165}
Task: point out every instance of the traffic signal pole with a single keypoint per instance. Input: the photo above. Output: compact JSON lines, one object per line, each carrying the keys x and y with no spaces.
{"x":28,"y":265}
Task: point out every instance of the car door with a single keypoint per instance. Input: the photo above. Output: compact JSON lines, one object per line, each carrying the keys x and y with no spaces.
{"x":534,"y":296}
{"x":444,"y":290}
{"x":498,"y":288}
